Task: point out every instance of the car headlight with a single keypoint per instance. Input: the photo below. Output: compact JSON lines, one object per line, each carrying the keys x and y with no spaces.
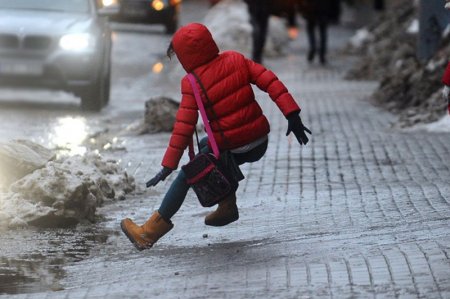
{"x":76,"y":42}
{"x":158,"y":5}
{"x":107,"y":3}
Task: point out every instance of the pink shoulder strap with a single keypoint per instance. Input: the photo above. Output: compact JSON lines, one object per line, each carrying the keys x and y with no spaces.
{"x":209,"y":132}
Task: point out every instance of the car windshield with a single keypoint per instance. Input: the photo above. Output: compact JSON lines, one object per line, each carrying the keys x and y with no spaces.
{"x":77,"y":6}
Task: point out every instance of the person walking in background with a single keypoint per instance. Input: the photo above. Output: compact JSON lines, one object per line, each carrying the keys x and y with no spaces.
{"x":237,"y":121}
{"x":433,"y":21}
{"x":259,"y":11}
{"x":318,"y":15}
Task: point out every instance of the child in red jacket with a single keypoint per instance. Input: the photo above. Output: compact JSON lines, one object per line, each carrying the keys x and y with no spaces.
{"x":237,"y":122}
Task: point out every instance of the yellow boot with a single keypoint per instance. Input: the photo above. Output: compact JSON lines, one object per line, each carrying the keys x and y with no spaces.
{"x":226,"y":213}
{"x":143,"y":237}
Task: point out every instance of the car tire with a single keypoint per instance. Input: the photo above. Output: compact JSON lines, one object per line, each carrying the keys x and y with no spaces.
{"x":95,"y":96}
{"x":107,"y":82}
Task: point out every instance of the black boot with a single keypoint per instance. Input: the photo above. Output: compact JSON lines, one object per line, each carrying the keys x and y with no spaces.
{"x":226,"y":213}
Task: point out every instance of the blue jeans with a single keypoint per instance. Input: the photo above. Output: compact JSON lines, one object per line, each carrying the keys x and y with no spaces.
{"x":177,"y":192}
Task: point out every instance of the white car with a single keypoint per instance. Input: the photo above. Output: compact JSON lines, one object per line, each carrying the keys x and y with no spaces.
{"x":63,"y":45}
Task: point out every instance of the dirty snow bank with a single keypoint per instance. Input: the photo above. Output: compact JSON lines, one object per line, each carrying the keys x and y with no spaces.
{"x":21,"y":157}
{"x":159,"y":115}
{"x":408,"y":87}
{"x":440,"y":126}
{"x":64,"y":192}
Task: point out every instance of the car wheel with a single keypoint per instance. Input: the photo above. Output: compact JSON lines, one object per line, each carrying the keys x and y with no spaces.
{"x":96,"y":96}
{"x":107,"y":82}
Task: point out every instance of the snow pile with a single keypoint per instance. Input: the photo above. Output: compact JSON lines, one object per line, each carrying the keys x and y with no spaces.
{"x":64,"y":192}
{"x":407,"y":86}
{"x":385,"y":44}
{"x":414,"y":27}
{"x":159,"y":115}
{"x":229,"y":23}
{"x":21,"y":157}
{"x":442,"y":125}
{"x":361,"y":37}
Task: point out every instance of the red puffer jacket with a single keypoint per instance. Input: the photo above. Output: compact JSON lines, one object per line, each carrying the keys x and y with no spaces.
{"x":446,"y":81}
{"x":227,"y":78}
{"x":446,"y":77}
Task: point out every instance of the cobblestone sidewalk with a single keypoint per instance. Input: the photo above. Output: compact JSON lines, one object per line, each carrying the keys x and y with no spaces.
{"x":362,"y":211}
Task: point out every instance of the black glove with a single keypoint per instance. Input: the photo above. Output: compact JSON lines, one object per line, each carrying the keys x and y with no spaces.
{"x":160,"y":176}
{"x":295,"y":125}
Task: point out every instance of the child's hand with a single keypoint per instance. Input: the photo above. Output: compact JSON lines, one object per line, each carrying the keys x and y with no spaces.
{"x":160,"y":176}
{"x":296,"y":126}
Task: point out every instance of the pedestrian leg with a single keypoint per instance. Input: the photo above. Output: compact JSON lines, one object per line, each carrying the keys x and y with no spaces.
{"x":310,"y":28}
{"x":323,"y":28}
{"x":174,"y":197}
{"x":259,"y":18}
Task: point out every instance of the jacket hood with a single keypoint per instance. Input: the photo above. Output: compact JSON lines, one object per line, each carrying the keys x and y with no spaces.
{"x":194,"y":46}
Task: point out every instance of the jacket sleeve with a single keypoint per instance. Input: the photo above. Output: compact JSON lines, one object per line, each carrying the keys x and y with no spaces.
{"x":183,"y":129}
{"x":267,"y":81}
{"x":446,"y":77}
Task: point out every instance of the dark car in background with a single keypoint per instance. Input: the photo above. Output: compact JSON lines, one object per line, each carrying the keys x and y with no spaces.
{"x":164,"y":12}
{"x":55,"y":44}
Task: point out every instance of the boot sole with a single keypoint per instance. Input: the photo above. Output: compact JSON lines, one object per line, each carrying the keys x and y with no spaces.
{"x":132,"y":240}
{"x":223,"y":222}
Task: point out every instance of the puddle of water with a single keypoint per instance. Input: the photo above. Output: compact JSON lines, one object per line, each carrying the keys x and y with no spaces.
{"x":68,"y":135}
{"x":39,"y":266}
{"x":30,"y":274}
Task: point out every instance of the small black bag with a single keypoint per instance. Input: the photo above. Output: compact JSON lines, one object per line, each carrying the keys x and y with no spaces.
{"x":213,"y":177}
{"x":210,"y":179}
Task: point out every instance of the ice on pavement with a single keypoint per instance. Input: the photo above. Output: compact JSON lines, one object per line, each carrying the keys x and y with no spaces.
{"x":64,"y":192}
